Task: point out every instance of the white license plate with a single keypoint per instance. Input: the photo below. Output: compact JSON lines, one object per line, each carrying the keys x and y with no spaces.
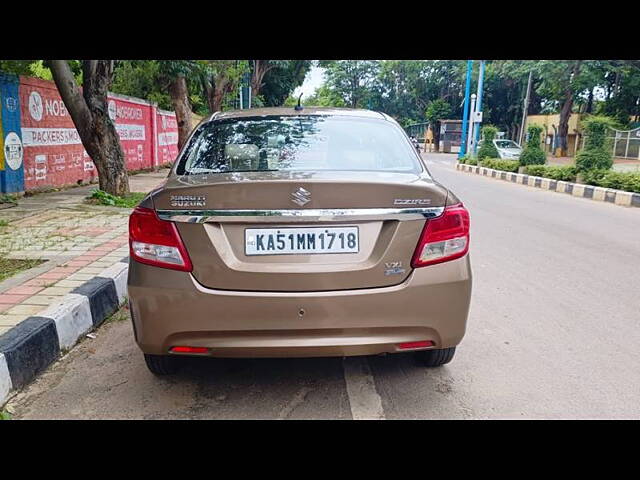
{"x":283,"y":241}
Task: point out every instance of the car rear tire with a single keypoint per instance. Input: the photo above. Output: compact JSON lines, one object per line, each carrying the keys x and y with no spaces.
{"x":161,"y":364}
{"x":435,"y":358}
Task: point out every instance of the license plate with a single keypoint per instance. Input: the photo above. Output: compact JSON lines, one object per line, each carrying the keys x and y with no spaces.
{"x":289,"y":241}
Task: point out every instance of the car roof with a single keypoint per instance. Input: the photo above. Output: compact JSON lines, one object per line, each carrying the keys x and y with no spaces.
{"x":290,"y":111}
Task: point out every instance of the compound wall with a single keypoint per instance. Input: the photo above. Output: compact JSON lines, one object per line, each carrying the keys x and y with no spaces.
{"x":42,"y":149}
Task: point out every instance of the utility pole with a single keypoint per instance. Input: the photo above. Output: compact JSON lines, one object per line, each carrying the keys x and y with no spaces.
{"x":245,"y":90}
{"x":465,"y":111}
{"x":476,"y":125}
{"x":524,"y":111}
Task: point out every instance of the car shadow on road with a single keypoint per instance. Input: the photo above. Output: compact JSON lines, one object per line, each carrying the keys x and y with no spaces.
{"x":300,"y":388}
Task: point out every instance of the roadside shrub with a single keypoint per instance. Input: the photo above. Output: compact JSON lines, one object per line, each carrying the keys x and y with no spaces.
{"x":594,"y":176}
{"x":628,"y":181}
{"x":472,"y":161}
{"x":596,"y":153}
{"x":101,"y":197}
{"x":488,"y":149}
{"x":532,"y":154}
{"x":504,"y":165}
{"x":566,"y":174}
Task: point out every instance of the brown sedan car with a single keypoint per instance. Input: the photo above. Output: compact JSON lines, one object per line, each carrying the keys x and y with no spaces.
{"x":298,"y":233}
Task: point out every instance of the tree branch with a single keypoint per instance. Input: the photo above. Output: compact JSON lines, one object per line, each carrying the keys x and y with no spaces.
{"x":71,"y":95}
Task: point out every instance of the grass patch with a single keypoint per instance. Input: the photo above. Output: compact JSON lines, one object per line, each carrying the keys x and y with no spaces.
{"x":121,"y":315}
{"x":11,"y":266}
{"x":4,"y":415}
{"x":100,"y":197}
{"x":8,"y":198}
{"x":3,"y":222}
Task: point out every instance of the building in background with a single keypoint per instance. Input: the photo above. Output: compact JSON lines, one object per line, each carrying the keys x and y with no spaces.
{"x":550,"y":125}
{"x":450,"y":136}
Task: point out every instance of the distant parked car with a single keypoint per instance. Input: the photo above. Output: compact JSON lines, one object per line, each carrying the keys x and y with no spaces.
{"x":507,"y":149}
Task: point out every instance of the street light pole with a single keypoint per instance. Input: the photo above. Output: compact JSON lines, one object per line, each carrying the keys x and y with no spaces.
{"x":465,"y":111}
{"x":476,"y":126}
{"x":471,"y":115}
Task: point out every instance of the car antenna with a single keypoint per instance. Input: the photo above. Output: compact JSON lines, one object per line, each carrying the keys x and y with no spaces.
{"x":299,"y":107}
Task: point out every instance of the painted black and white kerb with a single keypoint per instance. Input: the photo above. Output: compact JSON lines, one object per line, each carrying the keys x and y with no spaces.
{"x":619,"y":197}
{"x":32,"y":345}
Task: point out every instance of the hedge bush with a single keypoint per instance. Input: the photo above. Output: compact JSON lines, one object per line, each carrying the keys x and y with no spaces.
{"x":566,"y":174}
{"x":596,"y":154}
{"x":503,"y":165}
{"x":628,"y":181}
{"x":532,"y":154}
{"x":488,"y":149}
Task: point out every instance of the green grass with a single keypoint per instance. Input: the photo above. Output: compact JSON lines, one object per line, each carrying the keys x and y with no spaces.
{"x":8,"y":198}
{"x":4,"y":415}
{"x":99,"y":197}
{"x":11,"y":266}
{"x":3,"y":222}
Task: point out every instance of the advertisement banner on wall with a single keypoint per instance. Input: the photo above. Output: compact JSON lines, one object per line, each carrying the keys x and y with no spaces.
{"x":133,"y":119}
{"x":46,"y":146}
{"x":53,"y":152}
{"x":167,"y":137}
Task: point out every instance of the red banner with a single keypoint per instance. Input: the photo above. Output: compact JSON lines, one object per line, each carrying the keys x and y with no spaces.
{"x":134,"y":123}
{"x":53,"y":153}
{"x":167,"y":129}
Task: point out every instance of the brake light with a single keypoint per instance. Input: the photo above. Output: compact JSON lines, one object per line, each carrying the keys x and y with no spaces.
{"x":156,"y":242}
{"x":444,"y":238}
{"x":189,"y":349}
{"x":410,"y":345}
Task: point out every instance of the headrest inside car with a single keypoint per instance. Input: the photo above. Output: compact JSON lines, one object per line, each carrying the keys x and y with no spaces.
{"x":243,"y":156}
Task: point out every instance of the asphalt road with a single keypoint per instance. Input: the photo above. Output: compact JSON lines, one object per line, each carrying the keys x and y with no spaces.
{"x":553,"y":332}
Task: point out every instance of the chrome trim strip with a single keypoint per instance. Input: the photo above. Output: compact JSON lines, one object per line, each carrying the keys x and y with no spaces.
{"x":311,"y":215}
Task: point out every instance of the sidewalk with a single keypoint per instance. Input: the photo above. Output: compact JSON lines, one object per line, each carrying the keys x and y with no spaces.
{"x":77,"y":240}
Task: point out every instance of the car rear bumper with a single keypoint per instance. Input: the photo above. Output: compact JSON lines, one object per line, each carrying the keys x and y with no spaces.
{"x":170,"y":308}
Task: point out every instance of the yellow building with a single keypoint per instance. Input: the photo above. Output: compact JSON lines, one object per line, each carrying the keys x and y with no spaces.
{"x":548,"y":122}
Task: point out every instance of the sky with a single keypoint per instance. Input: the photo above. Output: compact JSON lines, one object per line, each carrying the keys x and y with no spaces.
{"x":312,"y":81}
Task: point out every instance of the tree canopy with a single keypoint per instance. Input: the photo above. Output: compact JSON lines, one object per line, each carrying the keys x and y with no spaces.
{"x":404,"y":89}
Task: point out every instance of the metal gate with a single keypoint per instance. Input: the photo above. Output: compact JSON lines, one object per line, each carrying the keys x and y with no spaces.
{"x":625,"y":143}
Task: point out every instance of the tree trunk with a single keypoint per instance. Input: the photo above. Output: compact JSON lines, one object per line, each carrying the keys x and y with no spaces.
{"x":182,"y":106}
{"x":89,"y":113}
{"x":216,"y":88}
{"x":590,"y":101}
{"x":565,"y":112}
{"x":260,"y":68}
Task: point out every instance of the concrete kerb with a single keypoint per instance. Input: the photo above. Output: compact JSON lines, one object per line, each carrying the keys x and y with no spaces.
{"x":617,"y":197}
{"x":34,"y":344}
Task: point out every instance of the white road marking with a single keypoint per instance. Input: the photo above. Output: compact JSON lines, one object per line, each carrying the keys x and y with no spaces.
{"x":361,"y":389}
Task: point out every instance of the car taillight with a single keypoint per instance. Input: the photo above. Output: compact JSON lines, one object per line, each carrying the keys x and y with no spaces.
{"x":156,"y":242}
{"x":444,"y":238}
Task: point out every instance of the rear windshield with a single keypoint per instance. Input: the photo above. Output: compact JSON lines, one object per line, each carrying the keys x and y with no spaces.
{"x":303,"y":143}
